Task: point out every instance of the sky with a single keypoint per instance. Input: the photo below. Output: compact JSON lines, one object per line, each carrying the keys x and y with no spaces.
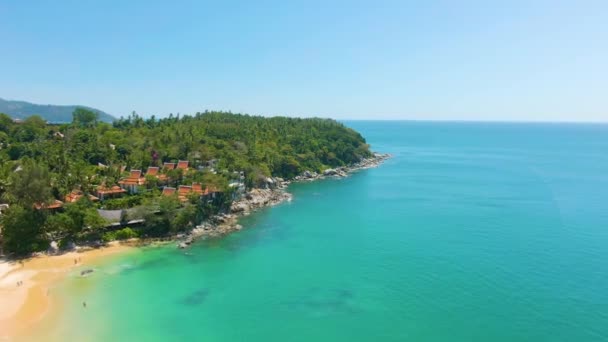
{"x":409,"y":60}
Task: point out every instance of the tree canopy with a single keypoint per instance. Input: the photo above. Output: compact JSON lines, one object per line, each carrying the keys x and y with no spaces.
{"x":41,"y":163}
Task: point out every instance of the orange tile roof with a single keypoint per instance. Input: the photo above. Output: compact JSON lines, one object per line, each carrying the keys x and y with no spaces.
{"x":198,"y":188}
{"x":135,"y":174}
{"x":182,"y":164}
{"x":152,"y":171}
{"x":102,"y":190}
{"x":169,"y":166}
{"x":75,"y":195}
{"x":55,"y":205}
{"x":183,"y":191}
{"x":168,"y":191}
{"x":134,"y":178}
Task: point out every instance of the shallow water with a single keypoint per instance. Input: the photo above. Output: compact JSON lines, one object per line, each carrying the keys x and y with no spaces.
{"x":472,"y":232}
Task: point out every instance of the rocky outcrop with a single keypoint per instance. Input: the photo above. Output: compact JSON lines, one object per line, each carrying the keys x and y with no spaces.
{"x":272,"y":193}
{"x":259,"y":198}
{"x":366,"y":163}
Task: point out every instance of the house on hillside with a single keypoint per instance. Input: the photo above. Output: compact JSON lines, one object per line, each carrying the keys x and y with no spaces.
{"x":132,"y":183}
{"x":52,"y":206}
{"x":154,"y":171}
{"x":104,"y":192}
{"x":168,"y":166}
{"x":168,"y":191}
{"x":184,"y":166}
{"x":185,"y":191}
{"x":76,"y":195}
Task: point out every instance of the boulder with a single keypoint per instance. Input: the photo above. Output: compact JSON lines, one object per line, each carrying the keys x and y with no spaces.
{"x":239,"y":207}
{"x":53,"y":247}
{"x":85,"y":272}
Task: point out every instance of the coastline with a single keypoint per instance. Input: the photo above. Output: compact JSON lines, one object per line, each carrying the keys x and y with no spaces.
{"x":23,"y":306}
{"x":273,"y":194}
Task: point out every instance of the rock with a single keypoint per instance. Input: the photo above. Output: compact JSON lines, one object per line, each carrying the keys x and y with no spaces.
{"x":85,"y":272}
{"x":53,"y":247}
{"x":239,"y":207}
{"x":330,"y":172}
{"x":238,"y":227}
{"x":307,"y":174}
{"x":70,"y":246}
{"x":182,"y":245}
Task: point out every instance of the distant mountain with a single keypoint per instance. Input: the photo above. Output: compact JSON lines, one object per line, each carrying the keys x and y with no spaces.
{"x":51,"y":113}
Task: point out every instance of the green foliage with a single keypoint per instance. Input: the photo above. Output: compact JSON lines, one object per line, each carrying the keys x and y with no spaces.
{"x":30,"y":185}
{"x":122,"y":202}
{"x":40,"y":163}
{"x":22,"y":231}
{"x":84,"y":117}
{"x":121,"y":234}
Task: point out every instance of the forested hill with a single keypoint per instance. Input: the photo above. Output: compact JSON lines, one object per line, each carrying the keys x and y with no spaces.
{"x":54,"y":177}
{"x":277,"y":146}
{"x":51,"y":113}
{"x":258,"y":146}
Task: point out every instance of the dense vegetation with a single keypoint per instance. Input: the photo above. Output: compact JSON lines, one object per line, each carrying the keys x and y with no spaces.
{"x":41,"y":163}
{"x":50,"y":113}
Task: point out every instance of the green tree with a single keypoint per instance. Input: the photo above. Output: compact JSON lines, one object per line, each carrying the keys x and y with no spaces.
{"x":84,"y":117}
{"x":22,"y":230}
{"x":30,"y":185}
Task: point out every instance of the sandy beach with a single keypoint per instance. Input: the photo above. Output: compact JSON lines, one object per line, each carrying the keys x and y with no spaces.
{"x":25,"y":286}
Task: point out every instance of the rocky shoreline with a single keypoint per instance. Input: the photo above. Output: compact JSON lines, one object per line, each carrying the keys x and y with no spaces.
{"x":274,"y":193}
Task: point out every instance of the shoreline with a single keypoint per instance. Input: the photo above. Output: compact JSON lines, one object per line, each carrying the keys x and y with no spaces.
{"x":25,"y":285}
{"x":275,"y":193}
{"x":23,"y":306}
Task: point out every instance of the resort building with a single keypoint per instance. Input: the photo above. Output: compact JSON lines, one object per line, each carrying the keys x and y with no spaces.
{"x":76,"y":195}
{"x":56,"y":204}
{"x":105,"y":193}
{"x":133,"y":182}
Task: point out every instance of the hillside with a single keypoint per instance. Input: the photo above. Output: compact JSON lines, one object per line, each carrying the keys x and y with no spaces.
{"x":51,"y":113}
{"x":195,"y":166}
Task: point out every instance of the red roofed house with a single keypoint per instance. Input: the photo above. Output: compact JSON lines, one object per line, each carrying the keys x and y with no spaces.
{"x":105,"y":193}
{"x":132,"y":182}
{"x":76,"y":195}
{"x":183,"y":192}
{"x":182,"y":164}
{"x":155,"y":172}
{"x":198,"y":188}
{"x":152,"y":171}
{"x":168,"y":166}
{"x":168,"y":191}
{"x":50,"y":206}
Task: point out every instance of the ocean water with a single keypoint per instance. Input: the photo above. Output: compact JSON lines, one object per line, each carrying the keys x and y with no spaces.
{"x":472,"y":232}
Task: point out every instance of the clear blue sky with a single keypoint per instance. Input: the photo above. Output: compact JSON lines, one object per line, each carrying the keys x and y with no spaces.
{"x":475,"y":60}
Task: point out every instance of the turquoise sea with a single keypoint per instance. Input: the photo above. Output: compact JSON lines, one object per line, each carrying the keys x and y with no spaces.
{"x":472,"y":232}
